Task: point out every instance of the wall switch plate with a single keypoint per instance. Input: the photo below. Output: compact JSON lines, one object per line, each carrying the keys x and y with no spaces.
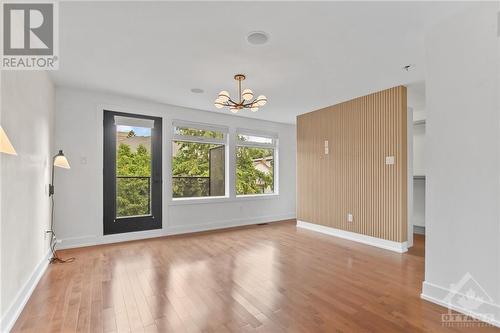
{"x":349,"y":217}
{"x":326,"y":147}
{"x":389,"y":160}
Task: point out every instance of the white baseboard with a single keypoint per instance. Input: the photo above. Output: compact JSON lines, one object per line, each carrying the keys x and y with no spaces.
{"x":185,"y":229}
{"x":22,"y":297}
{"x":369,"y":240}
{"x":436,"y":294}
{"x":89,"y":240}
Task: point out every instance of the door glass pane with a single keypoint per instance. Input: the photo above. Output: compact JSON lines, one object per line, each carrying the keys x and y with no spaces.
{"x":198,"y":169}
{"x":133,"y":171}
{"x":254,"y":170}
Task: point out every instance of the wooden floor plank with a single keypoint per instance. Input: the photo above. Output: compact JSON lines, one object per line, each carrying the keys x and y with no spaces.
{"x":269,"y":278}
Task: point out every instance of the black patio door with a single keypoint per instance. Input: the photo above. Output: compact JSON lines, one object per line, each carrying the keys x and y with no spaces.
{"x":132,"y":172}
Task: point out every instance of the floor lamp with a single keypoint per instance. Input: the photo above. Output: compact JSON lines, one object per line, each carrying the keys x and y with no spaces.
{"x":60,"y":161}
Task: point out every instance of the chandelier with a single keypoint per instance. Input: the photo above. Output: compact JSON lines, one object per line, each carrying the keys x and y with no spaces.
{"x":245,"y":99}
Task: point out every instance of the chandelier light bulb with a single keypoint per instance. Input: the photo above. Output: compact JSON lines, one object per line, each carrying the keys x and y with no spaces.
{"x":233,"y":110}
{"x":261,"y":100}
{"x":218,"y":104}
{"x":247,"y":94}
{"x":223,"y":96}
{"x":254,"y":109}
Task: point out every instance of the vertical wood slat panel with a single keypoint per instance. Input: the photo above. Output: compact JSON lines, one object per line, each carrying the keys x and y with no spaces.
{"x":353,"y":177}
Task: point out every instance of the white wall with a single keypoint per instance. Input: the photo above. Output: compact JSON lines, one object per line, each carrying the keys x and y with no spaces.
{"x":28,"y":99}
{"x":419,"y":202}
{"x":462,"y":157}
{"x":419,"y":170}
{"x":419,"y":149}
{"x":79,"y":133}
{"x":416,"y":99}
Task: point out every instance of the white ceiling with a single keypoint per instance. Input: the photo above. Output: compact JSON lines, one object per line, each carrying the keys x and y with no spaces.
{"x":318,"y":54}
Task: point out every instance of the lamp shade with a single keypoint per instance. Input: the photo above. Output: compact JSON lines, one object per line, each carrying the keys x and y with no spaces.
{"x":219,"y":104}
{"x":61,"y":161}
{"x":261,"y":100}
{"x":223,"y":96}
{"x":247,"y":94}
{"x":5,"y":145}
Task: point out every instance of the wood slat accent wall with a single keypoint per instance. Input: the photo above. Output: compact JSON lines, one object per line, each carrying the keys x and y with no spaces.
{"x":353,"y":177}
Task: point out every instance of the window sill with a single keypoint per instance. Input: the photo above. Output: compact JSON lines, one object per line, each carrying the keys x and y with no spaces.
{"x":257,"y":196}
{"x":213,"y":200}
{"x":198,"y":200}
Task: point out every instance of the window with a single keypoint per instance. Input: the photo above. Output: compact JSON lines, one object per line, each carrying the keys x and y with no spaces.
{"x":255,"y":163}
{"x":198,"y":161}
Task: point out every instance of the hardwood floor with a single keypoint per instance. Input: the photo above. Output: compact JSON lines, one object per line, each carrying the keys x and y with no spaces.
{"x":269,"y":278}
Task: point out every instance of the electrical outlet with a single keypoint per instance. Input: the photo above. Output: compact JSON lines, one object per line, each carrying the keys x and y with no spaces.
{"x":349,"y":217}
{"x":389,"y":160}
{"x":326,"y":147}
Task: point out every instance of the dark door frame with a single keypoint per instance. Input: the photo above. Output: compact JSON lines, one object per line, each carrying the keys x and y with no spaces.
{"x":112,"y":224}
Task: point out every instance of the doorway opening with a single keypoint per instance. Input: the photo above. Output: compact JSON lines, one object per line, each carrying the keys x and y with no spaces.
{"x":417,"y":117}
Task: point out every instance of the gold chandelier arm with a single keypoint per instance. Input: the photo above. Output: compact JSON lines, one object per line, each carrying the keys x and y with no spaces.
{"x":239,"y":91}
{"x":249,"y":104}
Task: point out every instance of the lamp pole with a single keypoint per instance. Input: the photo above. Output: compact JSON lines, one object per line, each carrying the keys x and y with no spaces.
{"x":58,"y":160}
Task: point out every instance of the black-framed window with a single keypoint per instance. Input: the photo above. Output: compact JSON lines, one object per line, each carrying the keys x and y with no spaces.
{"x":132,"y":172}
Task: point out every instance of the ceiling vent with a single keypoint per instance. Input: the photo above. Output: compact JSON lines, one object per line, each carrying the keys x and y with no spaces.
{"x":257,"y":38}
